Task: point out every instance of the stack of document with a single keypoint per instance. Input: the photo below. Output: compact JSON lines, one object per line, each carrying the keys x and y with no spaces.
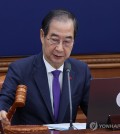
{"x":65,"y":126}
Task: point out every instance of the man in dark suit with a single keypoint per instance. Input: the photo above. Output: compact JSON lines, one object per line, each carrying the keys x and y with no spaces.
{"x":57,"y":35}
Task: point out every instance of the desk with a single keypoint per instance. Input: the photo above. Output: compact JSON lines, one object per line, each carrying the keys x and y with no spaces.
{"x":87,"y":131}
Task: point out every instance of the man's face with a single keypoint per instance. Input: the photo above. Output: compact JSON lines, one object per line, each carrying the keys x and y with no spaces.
{"x":58,"y":43}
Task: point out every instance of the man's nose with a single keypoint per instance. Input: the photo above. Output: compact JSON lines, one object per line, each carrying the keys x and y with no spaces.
{"x":60,"y":46}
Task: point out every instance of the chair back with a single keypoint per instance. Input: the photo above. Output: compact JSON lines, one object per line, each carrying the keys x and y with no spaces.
{"x":2,"y":78}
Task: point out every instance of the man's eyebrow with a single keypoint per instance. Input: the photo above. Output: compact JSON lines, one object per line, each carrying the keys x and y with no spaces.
{"x":53,"y":34}
{"x":68,"y":37}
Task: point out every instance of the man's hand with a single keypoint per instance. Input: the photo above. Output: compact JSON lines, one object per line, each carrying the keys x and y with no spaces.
{"x":4,"y":119}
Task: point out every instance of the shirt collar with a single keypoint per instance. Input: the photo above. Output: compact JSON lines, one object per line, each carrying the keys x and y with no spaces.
{"x":49,"y":68}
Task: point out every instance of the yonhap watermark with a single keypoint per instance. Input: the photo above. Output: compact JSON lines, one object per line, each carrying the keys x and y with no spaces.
{"x":95,"y":125}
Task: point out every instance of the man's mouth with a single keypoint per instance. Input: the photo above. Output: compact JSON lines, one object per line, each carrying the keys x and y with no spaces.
{"x":58,"y":56}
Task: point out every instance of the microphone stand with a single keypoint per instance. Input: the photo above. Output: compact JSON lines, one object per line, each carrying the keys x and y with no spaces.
{"x":70,"y":100}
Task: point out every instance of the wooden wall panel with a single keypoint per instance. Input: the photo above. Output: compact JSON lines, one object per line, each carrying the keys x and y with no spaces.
{"x":100,"y":65}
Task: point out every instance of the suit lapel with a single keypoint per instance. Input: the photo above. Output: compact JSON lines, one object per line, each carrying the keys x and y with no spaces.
{"x":64,"y":102}
{"x":41,"y":80}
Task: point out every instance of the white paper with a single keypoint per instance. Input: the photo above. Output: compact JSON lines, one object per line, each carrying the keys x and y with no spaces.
{"x":65,"y":126}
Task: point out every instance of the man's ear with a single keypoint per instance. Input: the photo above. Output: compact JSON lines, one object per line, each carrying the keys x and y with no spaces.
{"x":41,"y":35}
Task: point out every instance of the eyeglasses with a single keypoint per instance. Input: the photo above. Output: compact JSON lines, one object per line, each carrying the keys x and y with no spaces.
{"x":66,"y":42}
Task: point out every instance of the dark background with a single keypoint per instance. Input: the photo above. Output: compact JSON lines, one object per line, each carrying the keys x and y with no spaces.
{"x":20,"y":21}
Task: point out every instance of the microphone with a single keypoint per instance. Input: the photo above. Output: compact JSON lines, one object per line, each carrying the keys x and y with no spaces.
{"x":68,"y":68}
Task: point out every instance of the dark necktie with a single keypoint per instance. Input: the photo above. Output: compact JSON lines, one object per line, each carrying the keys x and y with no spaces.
{"x":56,"y":92}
